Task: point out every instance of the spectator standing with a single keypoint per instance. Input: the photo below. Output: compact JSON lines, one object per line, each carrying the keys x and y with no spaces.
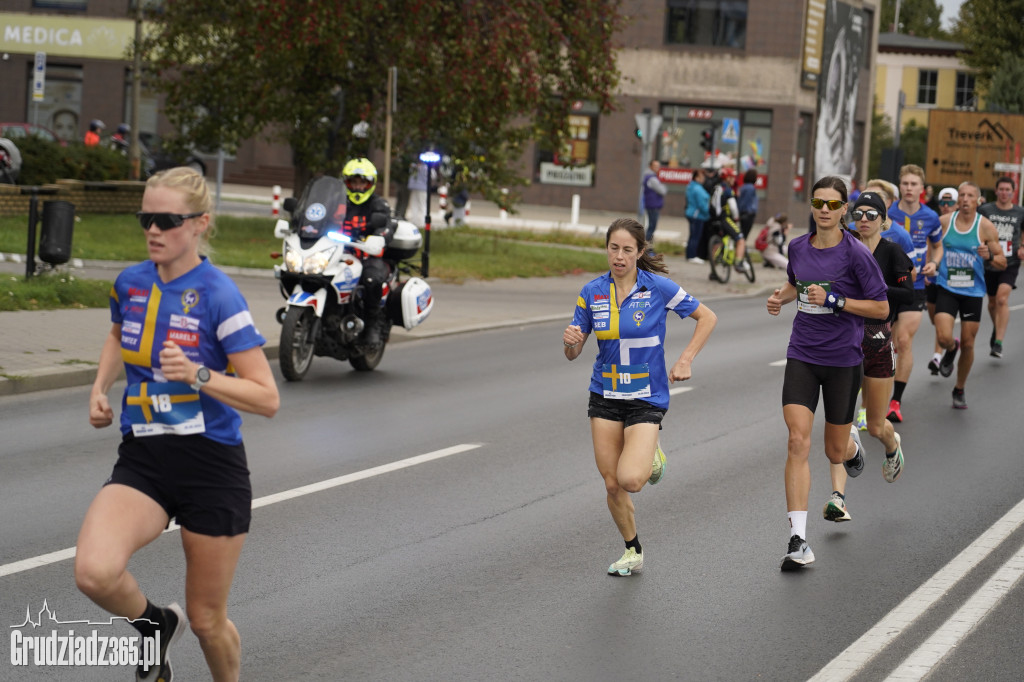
{"x":654,"y":198}
{"x":746,"y":198}
{"x":698,"y":202}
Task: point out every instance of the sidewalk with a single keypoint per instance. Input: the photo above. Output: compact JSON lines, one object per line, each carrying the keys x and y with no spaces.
{"x":60,"y":348}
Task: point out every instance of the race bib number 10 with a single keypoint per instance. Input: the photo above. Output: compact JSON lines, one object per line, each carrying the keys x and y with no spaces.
{"x":624,"y":382}
{"x":171,"y":407}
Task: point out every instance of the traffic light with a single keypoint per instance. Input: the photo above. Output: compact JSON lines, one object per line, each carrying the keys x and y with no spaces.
{"x":707,"y":139}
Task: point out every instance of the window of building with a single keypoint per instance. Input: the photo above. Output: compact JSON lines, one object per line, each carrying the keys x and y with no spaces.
{"x":721,"y":23}
{"x":61,"y":107}
{"x":927,"y":84}
{"x":964,"y":98}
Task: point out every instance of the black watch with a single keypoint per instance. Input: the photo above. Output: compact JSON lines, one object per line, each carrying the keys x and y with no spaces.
{"x":202,"y":378}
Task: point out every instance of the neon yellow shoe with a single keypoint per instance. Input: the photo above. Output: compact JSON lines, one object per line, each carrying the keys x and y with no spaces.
{"x":658,"y":469}
{"x":630,"y":563}
{"x":862,"y":419}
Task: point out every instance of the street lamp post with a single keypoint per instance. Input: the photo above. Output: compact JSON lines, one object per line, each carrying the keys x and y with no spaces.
{"x":431,"y":158}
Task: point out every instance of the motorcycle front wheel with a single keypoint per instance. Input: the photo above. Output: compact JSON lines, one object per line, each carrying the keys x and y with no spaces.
{"x":297,"y":343}
{"x":368,"y":361}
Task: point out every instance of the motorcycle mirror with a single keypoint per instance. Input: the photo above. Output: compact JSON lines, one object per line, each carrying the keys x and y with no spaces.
{"x":282,"y":229}
{"x":289,"y":204}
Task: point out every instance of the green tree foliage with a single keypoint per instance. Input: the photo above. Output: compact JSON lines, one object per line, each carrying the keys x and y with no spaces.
{"x":914,"y":143}
{"x":478,"y":78}
{"x":881,"y":138}
{"x":917,"y":17}
{"x":45,"y":161}
{"x":1006,"y":93}
{"x":992,"y":32}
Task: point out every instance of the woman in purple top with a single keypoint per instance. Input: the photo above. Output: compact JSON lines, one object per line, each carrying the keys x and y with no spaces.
{"x":836,"y":283}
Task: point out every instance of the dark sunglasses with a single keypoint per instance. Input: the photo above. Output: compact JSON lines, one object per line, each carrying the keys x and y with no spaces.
{"x":871,"y":214}
{"x":833,"y":204}
{"x":947,"y":202}
{"x":165,"y":221}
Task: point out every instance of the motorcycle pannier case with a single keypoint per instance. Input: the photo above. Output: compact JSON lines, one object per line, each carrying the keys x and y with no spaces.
{"x":405,"y":243}
{"x":410,"y":303}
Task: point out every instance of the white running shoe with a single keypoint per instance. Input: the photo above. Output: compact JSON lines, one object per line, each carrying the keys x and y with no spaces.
{"x":855,"y":464}
{"x":696,"y":261}
{"x":799,"y":555}
{"x":630,"y":563}
{"x":835,"y":509}
{"x":892,"y":467}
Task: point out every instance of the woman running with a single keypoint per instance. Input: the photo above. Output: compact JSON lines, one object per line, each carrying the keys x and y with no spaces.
{"x":626,"y":308}
{"x":836,"y":283}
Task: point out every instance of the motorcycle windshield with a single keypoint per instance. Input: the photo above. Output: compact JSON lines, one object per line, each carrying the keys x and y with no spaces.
{"x":321,"y":208}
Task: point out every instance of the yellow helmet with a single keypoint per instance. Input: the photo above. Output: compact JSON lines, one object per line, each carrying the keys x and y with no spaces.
{"x":359,"y":169}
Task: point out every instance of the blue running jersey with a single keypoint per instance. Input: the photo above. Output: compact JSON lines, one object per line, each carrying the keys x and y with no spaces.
{"x":204,"y":313}
{"x":923,"y":227}
{"x":630,"y":360}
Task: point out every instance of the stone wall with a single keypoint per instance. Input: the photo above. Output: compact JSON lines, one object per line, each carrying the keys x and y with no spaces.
{"x":88,"y":197}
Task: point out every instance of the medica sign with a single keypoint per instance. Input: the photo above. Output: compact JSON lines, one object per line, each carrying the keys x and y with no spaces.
{"x":80,"y":37}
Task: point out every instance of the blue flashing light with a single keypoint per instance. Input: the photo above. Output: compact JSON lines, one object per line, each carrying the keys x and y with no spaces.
{"x":336,"y":236}
{"x":430,"y":157}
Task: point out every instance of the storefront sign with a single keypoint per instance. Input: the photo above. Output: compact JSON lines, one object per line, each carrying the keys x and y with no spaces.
{"x":577,"y":176}
{"x":60,"y":36}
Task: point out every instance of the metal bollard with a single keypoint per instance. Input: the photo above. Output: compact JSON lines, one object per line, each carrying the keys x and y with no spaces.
{"x":275,"y":205}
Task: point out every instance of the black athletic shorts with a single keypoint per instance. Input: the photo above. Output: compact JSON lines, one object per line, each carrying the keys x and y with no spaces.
{"x":200,"y":482}
{"x":628,"y":412}
{"x":879,"y":355}
{"x":917,"y":305}
{"x":993,"y":278}
{"x":837,"y":385}
{"x":931,"y":290}
{"x":969,"y":307}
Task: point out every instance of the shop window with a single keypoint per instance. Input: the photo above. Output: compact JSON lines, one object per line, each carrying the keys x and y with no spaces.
{"x":927,"y":85}
{"x":61,"y":107}
{"x":720,"y":23}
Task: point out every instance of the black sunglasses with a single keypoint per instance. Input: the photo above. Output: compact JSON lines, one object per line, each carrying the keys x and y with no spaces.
{"x":833,"y":204}
{"x":871,"y":214}
{"x":165,"y":221}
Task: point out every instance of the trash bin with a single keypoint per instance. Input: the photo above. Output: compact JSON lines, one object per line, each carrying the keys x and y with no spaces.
{"x":55,"y":241}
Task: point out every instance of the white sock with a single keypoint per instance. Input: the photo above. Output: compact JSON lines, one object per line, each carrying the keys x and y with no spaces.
{"x":937,"y":357}
{"x":797,"y":524}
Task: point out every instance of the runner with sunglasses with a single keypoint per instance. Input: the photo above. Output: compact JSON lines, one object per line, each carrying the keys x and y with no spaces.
{"x":192,"y":357}
{"x":836,"y":283}
{"x":869,"y":217}
{"x":923,"y":225}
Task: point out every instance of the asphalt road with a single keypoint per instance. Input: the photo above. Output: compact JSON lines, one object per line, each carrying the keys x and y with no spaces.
{"x":487,"y":562}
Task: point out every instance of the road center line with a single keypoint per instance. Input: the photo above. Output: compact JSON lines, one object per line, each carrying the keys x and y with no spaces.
{"x":893,"y":624}
{"x":274,"y":498}
{"x":920,"y":663}
{"x":679,"y":389}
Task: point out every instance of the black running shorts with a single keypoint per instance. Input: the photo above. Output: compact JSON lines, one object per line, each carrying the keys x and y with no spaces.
{"x":629,"y":412}
{"x":200,"y":482}
{"x":993,"y":278}
{"x":838,"y":387}
{"x":969,"y":307}
{"x":917,"y":305}
{"x":879,"y":355}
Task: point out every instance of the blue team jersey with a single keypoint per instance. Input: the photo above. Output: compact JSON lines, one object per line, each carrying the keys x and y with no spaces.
{"x":923,"y":227}
{"x":205,"y":314}
{"x":630,"y":362}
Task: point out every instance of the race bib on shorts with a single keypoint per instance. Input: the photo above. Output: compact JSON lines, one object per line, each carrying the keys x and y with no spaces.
{"x":803,"y":305}
{"x":170,"y":407}
{"x":960,"y":278}
{"x":625,"y":382}
{"x":1008,"y":248}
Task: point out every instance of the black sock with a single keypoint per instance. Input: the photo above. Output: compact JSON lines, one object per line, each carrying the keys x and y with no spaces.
{"x":836,"y":492}
{"x":152,"y":613}
{"x":635,"y":544}
{"x":890,"y":455}
{"x":897,"y":391}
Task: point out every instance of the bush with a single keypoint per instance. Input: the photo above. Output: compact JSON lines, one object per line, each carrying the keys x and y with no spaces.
{"x":44,"y":162}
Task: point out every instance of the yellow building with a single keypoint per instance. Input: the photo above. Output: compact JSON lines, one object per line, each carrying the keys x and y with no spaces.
{"x":927,"y":73}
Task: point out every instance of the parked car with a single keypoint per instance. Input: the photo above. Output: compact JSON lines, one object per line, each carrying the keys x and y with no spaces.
{"x":157,"y":158}
{"x":14,"y":131}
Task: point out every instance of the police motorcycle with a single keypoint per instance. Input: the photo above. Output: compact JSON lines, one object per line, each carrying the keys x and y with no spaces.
{"x":324,"y":312}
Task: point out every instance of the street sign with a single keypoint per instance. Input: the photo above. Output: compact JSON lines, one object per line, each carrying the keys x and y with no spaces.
{"x":39,"y":77}
{"x":1007,"y":167}
{"x":731,"y":130}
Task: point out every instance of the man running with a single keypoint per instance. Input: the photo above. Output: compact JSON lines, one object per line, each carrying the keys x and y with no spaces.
{"x":969,"y":242}
{"x":925,"y":232}
{"x":1007,"y":218}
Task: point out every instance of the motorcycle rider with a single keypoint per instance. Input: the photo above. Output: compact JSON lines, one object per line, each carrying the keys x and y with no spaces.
{"x":368,"y":214}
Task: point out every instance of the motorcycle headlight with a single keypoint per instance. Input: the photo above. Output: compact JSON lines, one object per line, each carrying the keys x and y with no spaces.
{"x":292,"y":261}
{"x":315,"y":264}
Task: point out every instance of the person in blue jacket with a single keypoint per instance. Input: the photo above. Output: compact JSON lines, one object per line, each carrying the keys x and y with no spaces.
{"x":698,"y":212}
{"x":626,"y":310}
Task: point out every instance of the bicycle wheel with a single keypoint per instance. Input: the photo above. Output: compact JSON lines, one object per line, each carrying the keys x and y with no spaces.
{"x":720,"y":270}
{"x":749,"y":272}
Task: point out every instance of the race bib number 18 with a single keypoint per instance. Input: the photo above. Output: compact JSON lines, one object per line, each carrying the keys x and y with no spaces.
{"x":624,"y":382}
{"x":170,"y":407}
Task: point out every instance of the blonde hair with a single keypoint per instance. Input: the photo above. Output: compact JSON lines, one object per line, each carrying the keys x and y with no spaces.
{"x":883,"y":187}
{"x":912,"y":169}
{"x":194,"y":189}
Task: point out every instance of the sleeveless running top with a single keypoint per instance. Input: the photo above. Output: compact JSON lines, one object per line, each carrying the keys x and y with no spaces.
{"x":962,"y":270}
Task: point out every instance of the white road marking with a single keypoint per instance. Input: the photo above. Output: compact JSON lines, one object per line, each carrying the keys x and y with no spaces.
{"x":69,"y":553}
{"x":920,"y":663}
{"x":777,"y":363}
{"x":893,"y":624}
{"x":680,"y":389}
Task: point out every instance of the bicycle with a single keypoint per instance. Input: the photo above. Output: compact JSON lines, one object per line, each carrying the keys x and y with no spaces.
{"x":722,"y":257}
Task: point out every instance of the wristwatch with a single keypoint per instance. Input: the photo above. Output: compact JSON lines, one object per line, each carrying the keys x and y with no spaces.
{"x":202,"y":378}
{"x":836,"y":302}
